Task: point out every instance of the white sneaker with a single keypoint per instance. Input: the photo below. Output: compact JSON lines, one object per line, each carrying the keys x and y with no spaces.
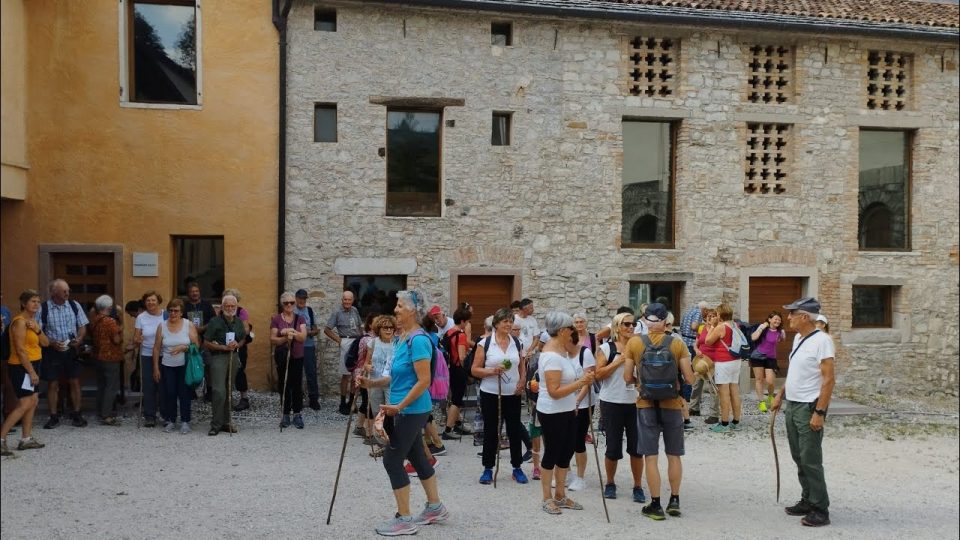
{"x":577,"y":484}
{"x":184,"y":428}
{"x":169,"y":427}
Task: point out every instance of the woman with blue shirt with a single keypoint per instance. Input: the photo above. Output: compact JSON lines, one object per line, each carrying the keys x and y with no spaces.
{"x":409,"y":408}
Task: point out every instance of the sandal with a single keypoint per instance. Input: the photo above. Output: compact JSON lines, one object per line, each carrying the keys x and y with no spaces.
{"x":550,"y":506}
{"x":567,"y":502}
{"x":376,"y":452}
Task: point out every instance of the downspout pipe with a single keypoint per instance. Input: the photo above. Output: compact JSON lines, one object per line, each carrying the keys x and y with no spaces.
{"x":280,"y":13}
{"x":697,"y":17}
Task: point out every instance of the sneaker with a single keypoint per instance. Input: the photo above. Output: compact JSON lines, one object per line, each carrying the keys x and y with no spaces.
{"x":694,"y":413}
{"x":314,"y":404}
{"x":673,"y":507}
{"x":397,"y":526}
{"x":229,"y":428}
{"x":4,"y":450}
{"x":610,"y":491}
{"x":462,"y":429}
{"x":567,"y":502}
{"x":711,"y":420}
{"x":816,"y":518}
{"x":638,"y":496}
{"x":168,"y":427}
{"x":720,"y":428}
{"x":519,"y":477}
{"x":653,"y":512}
{"x":29,"y":444}
{"x":53,"y":422}
{"x":298,"y":421}
{"x":449,"y":436}
{"x":802,"y":508}
{"x":150,"y":421}
{"x":413,"y":472}
{"x":527,"y":456}
{"x":285,"y":422}
{"x":437,"y":450}
{"x":735,"y":426}
{"x":588,"y":439}
{"x":110,"y":421}
{"x":376,"y":452}
{"x":213,"y":432}
{"x":242,"y":405}
{"x":486,"y":477}
{"x":78,"y":420}
{"x":344,"y":409}
{"x":762,"y":406}
{"x":577,"y":484}
{"x":687,"y":425}
{"x":536,"y":473}
{"x":184,"y":428}
{"x":769,"y":401}
{"x":432,"y":515}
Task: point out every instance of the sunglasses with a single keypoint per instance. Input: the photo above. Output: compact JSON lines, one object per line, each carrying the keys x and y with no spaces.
{"x":629,"y":324}
{"x":174,"y":310}
{"x":386,"y":328}
{"x":289,"y":303}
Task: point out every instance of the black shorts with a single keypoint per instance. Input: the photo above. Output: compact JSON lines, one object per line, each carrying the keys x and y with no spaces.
{"x":58,"y":363}
{"x":762,"y":361}
{"x":16,"y":373}
{"x":458,"y":385}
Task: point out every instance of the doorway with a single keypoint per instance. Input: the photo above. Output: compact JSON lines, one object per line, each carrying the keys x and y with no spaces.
{"x":769,"y":294}
{"x":89,"y":275}
{"x":486,"y":294}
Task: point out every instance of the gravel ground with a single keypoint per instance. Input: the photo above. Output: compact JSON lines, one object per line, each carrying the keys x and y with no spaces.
{"x":889,"y":477}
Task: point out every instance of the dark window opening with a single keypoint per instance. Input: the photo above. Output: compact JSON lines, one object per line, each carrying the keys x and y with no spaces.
{"x":200,"y":259}
{"x":163,"y":54}
{"x":501,"y":33}
{"x":413,"y":163}
{"x":645,"y":230}
{"x":884,"y":190}
{"x":872,"y":306}
{"x":500,"y":135}
{"x":647,"y":184}
{"x":375,"y":294}
{"x":667,"y":293}
{"x":325,"y":20}
{"x":325,"y":122}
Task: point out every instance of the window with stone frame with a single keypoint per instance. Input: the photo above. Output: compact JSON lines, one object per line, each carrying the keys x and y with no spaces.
{"x":413,"y":162}
{"x":884,"y":190}
{"x":160,"y":52}
{"x":873,"y":306}
{"x":766,"y":158}
{"x":375,"y":294}
{"x":647,"y":184}
{"x":770,"y":74}
{"x":888,"y":80}
{"x":664,"y":292}
{"x":652,"y":65}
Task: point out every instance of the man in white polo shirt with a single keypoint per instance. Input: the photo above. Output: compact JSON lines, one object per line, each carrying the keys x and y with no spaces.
{"x":810,"y":381}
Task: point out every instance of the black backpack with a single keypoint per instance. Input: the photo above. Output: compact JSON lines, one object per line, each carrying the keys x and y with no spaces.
{"x":353,"y":354}
{"x":657,"y":370}
{"x":596,"y":383}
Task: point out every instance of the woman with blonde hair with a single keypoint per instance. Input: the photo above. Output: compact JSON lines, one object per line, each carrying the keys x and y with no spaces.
{"x":727,"y":369}
{"x":144,"y":336}
{"x":26,"y":338}
{"x":376,"y":367}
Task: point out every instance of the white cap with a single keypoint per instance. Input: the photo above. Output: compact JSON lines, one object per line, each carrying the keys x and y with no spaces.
{"x":822,"y":318}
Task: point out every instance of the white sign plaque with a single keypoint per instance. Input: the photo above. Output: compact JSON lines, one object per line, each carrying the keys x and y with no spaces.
{"x":146,"y":265}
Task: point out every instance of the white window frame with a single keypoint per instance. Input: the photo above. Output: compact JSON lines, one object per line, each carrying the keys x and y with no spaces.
{"x":125,"y":98}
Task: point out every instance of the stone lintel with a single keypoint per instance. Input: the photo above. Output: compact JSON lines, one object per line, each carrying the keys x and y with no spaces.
{"x":653,"y":113}
{"x":769,"y":118}
{"x":660,"y":276}
{"x":879,"y":280}
{"x":417,"y":102}
{"x":889,"y":121}
{"x":377,"y":266}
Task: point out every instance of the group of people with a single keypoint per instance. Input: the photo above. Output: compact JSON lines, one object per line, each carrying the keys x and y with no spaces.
{"x":634,"y":372}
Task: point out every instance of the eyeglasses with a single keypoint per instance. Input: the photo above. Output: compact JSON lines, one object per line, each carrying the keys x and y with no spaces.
{"x":288,"y":303}
{"x":174,"y":310}
{"x":386,"y":328}
{"x":629,"y":324}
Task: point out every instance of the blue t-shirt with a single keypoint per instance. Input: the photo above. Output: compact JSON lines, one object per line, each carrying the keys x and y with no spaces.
{"x":403,"y":376}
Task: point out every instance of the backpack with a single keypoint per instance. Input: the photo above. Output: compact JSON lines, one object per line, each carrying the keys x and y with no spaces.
{"x":447,"y":343}
{"x":596,"y":384}
{"x":658,"y":370}
{"x":439,"y":374}
{"x":352,"y":357}
{"x":741,"y":346}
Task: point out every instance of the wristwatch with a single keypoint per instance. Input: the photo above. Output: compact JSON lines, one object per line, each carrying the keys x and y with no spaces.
{"x":821,"y":412}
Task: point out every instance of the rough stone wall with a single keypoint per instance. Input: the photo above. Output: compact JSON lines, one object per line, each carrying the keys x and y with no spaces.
{"x":549,"y":204}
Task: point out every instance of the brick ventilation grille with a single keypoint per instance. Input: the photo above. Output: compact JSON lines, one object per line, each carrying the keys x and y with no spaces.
{"x":888,"y":80}
{"x":766,"y":158}
{"x":653,"y":66}
{"x":769,"y":74}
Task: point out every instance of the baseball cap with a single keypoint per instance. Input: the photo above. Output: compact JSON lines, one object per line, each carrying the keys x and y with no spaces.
{"x":655,"y":312}
{"x":808,"y":304}
{"x":302,"y":293}
{"x":435,"y":310}
{"x":823,"y":318}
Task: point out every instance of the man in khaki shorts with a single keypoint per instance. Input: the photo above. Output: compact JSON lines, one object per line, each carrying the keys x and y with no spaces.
{"x":343,"y":327}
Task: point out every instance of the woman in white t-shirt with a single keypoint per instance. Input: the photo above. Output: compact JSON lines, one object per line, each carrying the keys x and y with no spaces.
{"x":497,"y":364}
{"x":561,"y":378}
{"x":144,"y":335}
{"x":579,"y":350}
{"x":172,"y":340}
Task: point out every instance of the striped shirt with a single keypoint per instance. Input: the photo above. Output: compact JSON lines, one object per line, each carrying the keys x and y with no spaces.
{"x":61,"y":322}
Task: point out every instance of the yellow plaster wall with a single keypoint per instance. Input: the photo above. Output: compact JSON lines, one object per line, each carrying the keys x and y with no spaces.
{"x":13,"y":149}
{"x":106,"y":174}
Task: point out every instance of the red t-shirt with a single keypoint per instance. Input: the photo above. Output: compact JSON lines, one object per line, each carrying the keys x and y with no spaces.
{"x":717,"y":352}
{"x":455,"y":342}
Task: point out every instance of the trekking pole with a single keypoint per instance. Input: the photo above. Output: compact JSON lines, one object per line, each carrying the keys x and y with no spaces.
{"x":496,"y":471}
{"x":596,"y":455}
{"x":283,"y":393}
{"x":343,"y":451}
{"x":319,"y":363}
{"x":230,"y":395}
{"x":773,"y":441}
{"x":140,"y":374}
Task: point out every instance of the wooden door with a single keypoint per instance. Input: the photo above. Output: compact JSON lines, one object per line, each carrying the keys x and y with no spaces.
{"x":769,"y":294}
{"x":88,"y":274}
{"x":486,"y":294}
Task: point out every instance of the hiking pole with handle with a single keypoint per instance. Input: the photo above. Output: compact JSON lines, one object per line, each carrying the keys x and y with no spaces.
{"x":773,"y":441}
{"x":343,"y":450}
{"x":286,"y":375}
{"x":140,"y":374}
{"x":230,"y":423}
{"x":596,"y":455}
{"x":496,"y":471}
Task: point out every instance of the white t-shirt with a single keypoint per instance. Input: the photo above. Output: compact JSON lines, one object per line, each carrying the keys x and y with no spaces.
{"x":614,"y":389}
{"x":803,"y":376}
{"x":448,"y":326}
{"x":528,"y":330}
{"x":640,"y":328}
{"x":493,"y":357}
{"x":589,"y":361}
{"x":147,"y":324}
{"x":570,"y":371}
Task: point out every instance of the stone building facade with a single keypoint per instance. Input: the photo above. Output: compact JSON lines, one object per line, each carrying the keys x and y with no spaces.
{"x":762,"y":181}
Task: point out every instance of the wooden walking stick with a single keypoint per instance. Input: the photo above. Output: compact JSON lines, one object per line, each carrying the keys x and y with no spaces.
{"x":232,"y":427}
{"x":496,"y":471}
{"x":286,"y":375}
{"x":596,"y":455}
{"x":773,"y":441}
{"x":343,"y":451}
{"x":140,"y":374}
